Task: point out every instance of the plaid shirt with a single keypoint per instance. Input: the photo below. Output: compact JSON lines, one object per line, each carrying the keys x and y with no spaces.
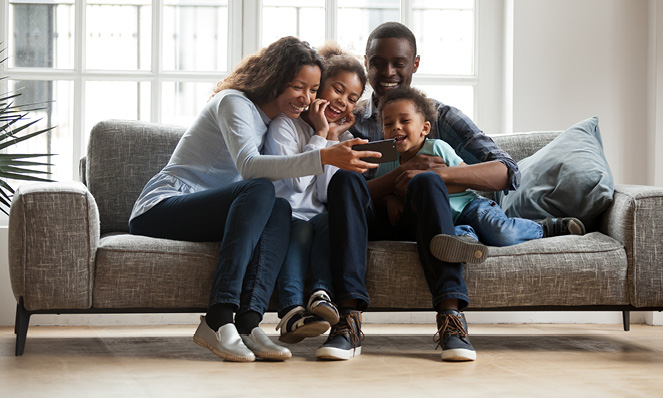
{"x":452,"y":126}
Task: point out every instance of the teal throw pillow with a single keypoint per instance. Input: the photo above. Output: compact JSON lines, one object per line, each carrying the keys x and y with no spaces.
{"x":568,"y":177}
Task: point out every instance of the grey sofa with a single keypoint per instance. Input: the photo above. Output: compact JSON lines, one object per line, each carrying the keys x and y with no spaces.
{"x":70,"y":251}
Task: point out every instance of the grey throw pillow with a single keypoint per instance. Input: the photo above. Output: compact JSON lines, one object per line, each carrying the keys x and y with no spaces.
{"x":568,"y":177}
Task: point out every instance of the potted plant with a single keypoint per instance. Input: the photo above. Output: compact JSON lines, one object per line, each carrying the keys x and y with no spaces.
{"x":14,"y":127}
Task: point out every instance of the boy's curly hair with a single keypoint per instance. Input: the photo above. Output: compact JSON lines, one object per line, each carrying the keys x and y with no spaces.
{"x":422,"y":104}
{"x":265,"y":75}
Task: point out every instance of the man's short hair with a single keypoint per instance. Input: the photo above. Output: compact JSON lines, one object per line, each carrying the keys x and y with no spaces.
{"x":392,"y":29}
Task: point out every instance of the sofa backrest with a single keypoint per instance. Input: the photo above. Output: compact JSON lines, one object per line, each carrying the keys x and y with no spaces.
{"x":124,"y":154}
{"x":522,"y":145}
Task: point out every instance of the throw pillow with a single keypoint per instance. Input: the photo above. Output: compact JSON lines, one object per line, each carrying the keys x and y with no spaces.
{"x":568,"y":177}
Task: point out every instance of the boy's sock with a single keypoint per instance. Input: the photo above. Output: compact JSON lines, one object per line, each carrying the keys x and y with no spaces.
{"x":219,"y":315}
{"x":246,"y":321}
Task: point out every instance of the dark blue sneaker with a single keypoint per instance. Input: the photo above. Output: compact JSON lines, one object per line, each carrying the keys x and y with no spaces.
{"x":562,"y":226}
{"x":344,"y":341}
{"x":297,"y":324}
{"x":452,"y":336}
{"x":321,"y":305}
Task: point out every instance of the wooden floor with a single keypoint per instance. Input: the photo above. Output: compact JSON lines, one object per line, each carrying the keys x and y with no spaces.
{"x":396,"y":361}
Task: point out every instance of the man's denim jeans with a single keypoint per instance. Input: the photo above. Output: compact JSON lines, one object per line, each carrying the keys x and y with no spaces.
{"x":353,"y":220}
{"x":252,"y":225}
{"x":485,"y":221}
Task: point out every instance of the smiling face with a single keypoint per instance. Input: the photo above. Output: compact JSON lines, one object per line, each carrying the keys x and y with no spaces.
{"x":299,"y":93}
{"x":401,"y":121}
{"x":342,"y":91}
{"x":390,"y":63}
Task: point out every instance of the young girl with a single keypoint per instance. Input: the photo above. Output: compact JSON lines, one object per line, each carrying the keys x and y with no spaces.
{"x":406,"y":116}
{"x":322,"y":125}
{"x":216,"y":188}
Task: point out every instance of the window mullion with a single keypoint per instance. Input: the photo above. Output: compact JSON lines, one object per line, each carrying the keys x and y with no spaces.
{"x":157,"y":68}
{"x":406,"y":13}
{"x":79,"y":149}
{"x":331,"y":20}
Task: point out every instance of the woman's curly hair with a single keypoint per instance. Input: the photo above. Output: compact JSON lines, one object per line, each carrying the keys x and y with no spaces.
{"x":264,"y":75}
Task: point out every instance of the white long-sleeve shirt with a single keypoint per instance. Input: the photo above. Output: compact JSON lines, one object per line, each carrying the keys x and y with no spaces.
{"x":307,"y":194}
{"x":221,"y":147}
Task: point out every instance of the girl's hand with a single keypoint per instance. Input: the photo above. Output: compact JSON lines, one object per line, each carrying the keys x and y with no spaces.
{"x":336,"y":129}
{"x":342,"y":156}
{"x":316,"y":114}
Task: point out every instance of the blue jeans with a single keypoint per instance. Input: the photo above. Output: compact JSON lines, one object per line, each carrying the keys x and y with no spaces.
{"x":308,"y":248}
{"x":485,"y":220}
{"x":353,"y":220}
{"x":252,"y":225}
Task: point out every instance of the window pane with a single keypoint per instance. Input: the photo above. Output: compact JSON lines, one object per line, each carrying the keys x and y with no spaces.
{"x":357,"y":18}
{"x":119,"y":35}
{"x":195,"y":35}
{"x":461,"y":97}
{"x":182,"y":101}
{"x":115,"y":100}
{"x":41,"y":35}
{"x":304,"y":19}
{"x":59,"y":112}
{"x":445,"y":36}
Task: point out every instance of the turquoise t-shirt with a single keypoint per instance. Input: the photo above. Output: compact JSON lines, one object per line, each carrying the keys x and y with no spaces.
{"x":436,"y":147}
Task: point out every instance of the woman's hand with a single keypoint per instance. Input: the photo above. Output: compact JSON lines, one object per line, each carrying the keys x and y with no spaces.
{"x":316,"y":114}
{"x":338,"y":128}
{"x":342,"y":156}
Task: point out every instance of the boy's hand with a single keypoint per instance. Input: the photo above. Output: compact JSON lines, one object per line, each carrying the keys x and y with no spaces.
{"x":394,"y":208}
{"x":424,"y":162}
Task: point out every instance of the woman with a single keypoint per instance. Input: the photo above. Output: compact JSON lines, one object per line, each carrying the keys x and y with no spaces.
{"x":216,"y":188}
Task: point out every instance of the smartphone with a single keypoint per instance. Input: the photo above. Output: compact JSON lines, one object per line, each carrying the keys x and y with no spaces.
{"x":386,"y":147}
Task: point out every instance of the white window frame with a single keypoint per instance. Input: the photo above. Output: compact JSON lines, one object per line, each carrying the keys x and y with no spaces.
{"x":245,"y":36}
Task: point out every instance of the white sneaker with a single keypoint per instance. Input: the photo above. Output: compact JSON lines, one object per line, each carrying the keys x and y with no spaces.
{"x":258,"y":342}
{"x":225,"y":342}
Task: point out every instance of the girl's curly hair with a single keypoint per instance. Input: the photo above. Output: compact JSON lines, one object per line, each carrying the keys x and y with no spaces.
{"x":336,"y":60}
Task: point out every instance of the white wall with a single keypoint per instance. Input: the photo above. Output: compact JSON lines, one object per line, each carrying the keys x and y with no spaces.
{"x":568,"y":60}
{"x":575,"y":59}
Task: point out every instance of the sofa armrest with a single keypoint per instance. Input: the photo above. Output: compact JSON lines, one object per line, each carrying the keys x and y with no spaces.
{"x":53,"y":239}
{"x":635,"y":218}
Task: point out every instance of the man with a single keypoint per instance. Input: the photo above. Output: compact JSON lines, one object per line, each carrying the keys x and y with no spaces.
{"x":391,"y":59}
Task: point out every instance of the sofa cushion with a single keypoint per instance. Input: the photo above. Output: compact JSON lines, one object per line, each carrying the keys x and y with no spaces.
{"x":568,"y":177}
{"x":560,"y":271}
{"x":142,"y":272}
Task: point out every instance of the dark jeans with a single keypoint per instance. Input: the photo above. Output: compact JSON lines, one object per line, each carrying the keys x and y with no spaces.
{"x":353,"y":221}
{"x":308,"y":250}
{"x":252,"y":225}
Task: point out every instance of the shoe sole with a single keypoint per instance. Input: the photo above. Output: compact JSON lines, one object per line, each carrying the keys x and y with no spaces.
{"x":273,"y":356}
{"x":331,"y":353}
{"x":452,"y":249}
{"x":311,"y":330}
{"x":458,"y":355}
{"x":228,"y":357}
{"x":325,"y":313}
{"x":575,"y":228}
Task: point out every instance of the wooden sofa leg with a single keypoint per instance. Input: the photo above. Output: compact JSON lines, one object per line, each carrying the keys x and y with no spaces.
{"x":21,"y":327}
{"x":626,"y":317}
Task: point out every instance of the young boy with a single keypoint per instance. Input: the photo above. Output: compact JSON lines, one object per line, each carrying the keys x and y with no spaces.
{"x":406,"y":116}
